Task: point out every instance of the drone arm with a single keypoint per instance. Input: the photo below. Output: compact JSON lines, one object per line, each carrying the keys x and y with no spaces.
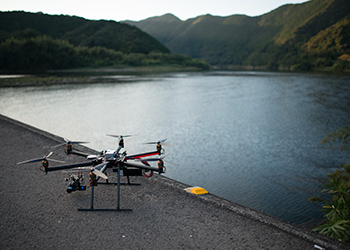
{"x":83,"y":164}
{"x":79,"y":153}
{"x":131,"y":157}
{"x":142,"y":167}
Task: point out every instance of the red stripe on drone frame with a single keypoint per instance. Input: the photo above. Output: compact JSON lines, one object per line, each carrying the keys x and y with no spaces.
{"x":143,"y":155}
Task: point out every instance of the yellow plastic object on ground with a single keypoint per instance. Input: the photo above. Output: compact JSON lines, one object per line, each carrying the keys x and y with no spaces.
{"x":196,"y":190}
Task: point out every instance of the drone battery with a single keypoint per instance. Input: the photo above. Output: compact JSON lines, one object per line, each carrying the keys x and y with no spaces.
{"x":130,"y":172}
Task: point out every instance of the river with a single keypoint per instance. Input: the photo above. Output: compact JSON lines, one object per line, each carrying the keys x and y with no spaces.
{"x":249,"y":137}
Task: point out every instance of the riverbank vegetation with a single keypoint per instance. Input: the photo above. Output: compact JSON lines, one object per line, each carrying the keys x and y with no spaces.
{"x":45,"y":53}
{"x":337,"y":208}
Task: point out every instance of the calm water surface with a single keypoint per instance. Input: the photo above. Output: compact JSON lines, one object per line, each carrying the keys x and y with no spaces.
{"x":250,"y":137}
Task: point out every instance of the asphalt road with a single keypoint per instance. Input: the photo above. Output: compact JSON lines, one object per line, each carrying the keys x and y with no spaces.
{"x":38,"y":213}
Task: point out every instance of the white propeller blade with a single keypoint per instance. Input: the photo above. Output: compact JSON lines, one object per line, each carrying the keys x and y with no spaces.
{"x":30,"y":161}
{"x":57,"y":161}
{"x":161,"y":142}
{"x":100,"y":174}
{"x":39,"y":159}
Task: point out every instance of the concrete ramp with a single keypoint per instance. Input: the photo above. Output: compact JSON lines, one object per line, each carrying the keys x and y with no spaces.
{"x":38,"y":213}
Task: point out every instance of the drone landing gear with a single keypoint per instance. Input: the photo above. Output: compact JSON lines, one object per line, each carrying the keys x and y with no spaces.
{"x":116,"y":183}
{"x":102,"y":209}
{"x":118,"y":209}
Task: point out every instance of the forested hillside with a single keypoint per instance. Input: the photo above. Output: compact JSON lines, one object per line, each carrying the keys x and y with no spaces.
{"x":79,"y":31}
{"x":37,"y":41}
{"x":289,"y":37}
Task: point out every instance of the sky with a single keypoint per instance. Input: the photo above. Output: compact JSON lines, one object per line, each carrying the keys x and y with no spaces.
{"x":137,"y":10}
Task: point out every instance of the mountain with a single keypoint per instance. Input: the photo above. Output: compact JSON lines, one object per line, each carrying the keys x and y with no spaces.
{"x":159,"y":26}
{"x":79,"y":31}
{"x":277,"y":39}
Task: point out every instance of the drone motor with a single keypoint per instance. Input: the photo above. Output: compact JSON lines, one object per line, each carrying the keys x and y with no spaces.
{"x":161,"y":165}
{"x":93,"y":179}
{"x":68,"y":149}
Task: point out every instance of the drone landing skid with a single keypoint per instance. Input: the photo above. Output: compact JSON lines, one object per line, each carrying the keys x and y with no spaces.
{"x":105,"y":209}
{"x":118,"y":209}
{"x":116,"y":183}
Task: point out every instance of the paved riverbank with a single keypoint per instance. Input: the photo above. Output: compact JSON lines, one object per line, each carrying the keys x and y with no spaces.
{"x":37,"y":213}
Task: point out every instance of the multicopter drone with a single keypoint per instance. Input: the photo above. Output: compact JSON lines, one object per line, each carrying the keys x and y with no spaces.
{"x":98,"y":164}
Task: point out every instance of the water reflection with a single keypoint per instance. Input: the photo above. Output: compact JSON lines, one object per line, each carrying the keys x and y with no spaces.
{"x":250,"y":137}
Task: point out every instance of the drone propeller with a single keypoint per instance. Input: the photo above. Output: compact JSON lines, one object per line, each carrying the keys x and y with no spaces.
{"x":69,"y":142}
{"x":119,"y":136}
{"x":97,"y":170}
{"x":99,"y":173}
{"x":120,"y":140}
{"x":75,"y":142}
{"x":161,"y":142}
{"x":45,"y":157}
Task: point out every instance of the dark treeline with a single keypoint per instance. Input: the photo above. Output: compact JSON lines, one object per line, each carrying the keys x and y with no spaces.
{"x":27,"y":52}
{"x":79,"y":31}
{"x":37,"y":41}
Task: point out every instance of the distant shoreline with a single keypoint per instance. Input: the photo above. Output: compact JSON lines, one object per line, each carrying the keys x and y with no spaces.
{"x":91,"y":75}
{"x":81,"y":75}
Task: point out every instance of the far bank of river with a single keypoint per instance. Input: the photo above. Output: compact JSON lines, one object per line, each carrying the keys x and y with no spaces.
{"x":90,"y":75}
{"x":84,"y":75}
